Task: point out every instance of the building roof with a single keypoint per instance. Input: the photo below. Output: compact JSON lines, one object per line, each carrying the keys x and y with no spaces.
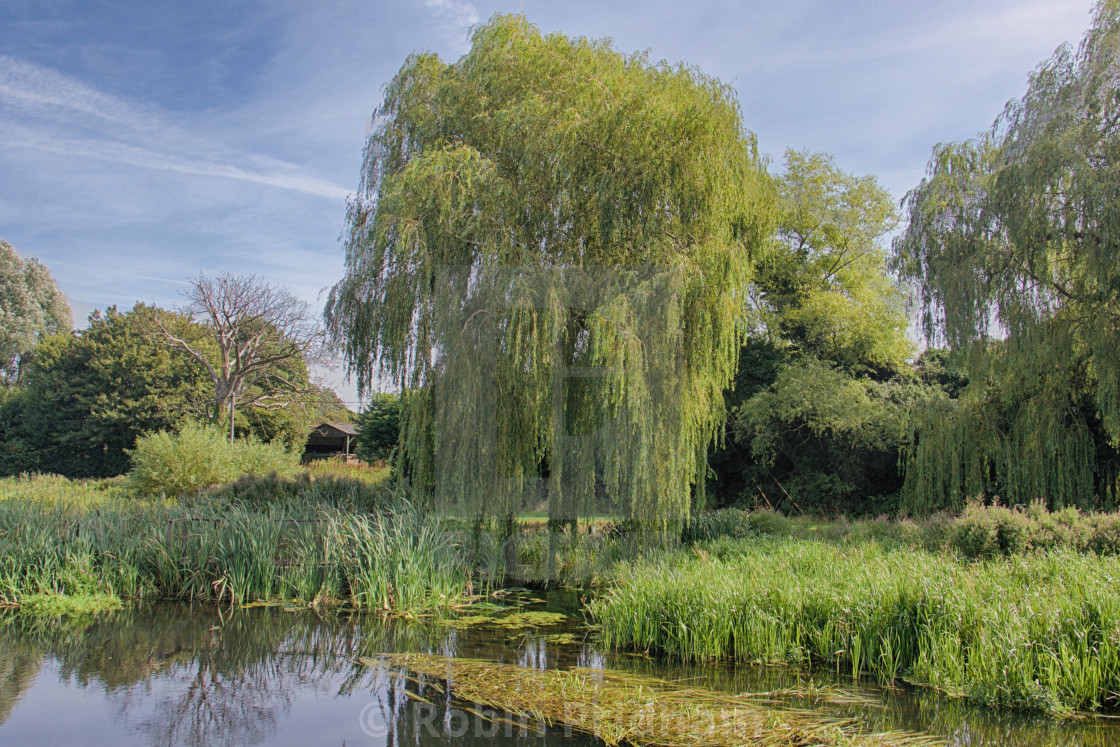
{"x":345,"y":429}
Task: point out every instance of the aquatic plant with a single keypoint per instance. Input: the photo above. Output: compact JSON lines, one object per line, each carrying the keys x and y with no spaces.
{"x":619,"y":708}
{"x":228,"y":551}
{"x":1038,"y":631}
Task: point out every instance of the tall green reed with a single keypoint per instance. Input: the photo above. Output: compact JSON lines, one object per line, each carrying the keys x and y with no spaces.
{"x":298,"y":548}
{"x":1038,"y":631}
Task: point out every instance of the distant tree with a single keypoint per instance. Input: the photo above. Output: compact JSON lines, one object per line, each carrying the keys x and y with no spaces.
{"x":379,"y":425}
{"x":823,"y":289}
{"x":1012,"y":242}
{"x":823,"y":385}
{"x":257,"y":342}
{"x":324,"y":405}
{"x":85,"y":398}
{"x":31,"y":306}
{"x":547,"y":250}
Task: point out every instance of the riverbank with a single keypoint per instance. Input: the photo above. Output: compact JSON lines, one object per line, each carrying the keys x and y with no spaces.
{"x":308,"y":541}
{"x":1009,"y":609}
{"x":1038,"y":631}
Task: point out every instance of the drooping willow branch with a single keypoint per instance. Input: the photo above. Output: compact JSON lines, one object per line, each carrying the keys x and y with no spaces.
{"x":549,"y":251}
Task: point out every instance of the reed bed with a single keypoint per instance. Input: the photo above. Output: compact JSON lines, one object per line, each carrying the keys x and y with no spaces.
{"x":623,"y":708}
{"x":303,"y":550}
{"x":1036,"y":632}
{"x":55,"y":490}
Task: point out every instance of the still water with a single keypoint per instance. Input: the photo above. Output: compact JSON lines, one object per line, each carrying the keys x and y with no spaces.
{"x":176,"y":674}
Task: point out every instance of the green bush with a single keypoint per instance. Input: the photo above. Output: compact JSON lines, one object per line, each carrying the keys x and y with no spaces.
{"x":988,"y":531}
{"x":200,"y":456}
{"x":1104,"y":537}
{"x":991,"y":531}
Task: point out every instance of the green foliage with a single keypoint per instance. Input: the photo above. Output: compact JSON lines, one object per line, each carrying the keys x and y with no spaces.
{"x":61,"y":491}
{"x":823,"y":384}
{"x":834,"y":439}
{"x":85,"y":398}
{"x":217,"y":549}
{"x":31,"y":307}
{"x":199,"y":456}
{"x":823,"y":287}
{"x":379,"y":428}
{"x":337,"y":492}
{"x":547,"y":250}
{"x":324,"y":404}
{"x":1033,"y":632}
{"x":68,"y":605}
{"x":289,"y":425}
{"x":1014,"y":235}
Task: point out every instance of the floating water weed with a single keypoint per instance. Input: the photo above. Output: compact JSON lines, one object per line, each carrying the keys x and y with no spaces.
{"x":509,"y":621}
{"x":622,"y":708}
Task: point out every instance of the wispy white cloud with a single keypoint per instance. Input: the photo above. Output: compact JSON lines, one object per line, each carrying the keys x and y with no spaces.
{"x":45,"y":110}
{"x":105,"y":150}
{"x":999,"y":31}
{"x":36,"y":88}
{"x":454,"y":13}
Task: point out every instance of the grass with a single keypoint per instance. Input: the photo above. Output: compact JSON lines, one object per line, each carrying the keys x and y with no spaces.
{"x":1036,"y":632}
{"x":371,"y":474}
{"x":622,"y":708}
{"x":978,"y":532}
{"x":314,"y":545}
{"x":60,"y":491}
{"x":1013,"y":609}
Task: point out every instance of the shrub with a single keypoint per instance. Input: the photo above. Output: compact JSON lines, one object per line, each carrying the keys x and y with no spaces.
{"x":1104,"y":538}
{"x":986,"y":532}
{"x":199,"y":456}
{"x":767,"y":521}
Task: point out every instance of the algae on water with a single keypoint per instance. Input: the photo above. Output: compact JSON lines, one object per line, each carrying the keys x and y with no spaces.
{"x":513,"y":621}
{"x":63,"y":605}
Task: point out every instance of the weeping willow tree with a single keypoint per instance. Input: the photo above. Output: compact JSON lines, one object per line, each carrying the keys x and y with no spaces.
{"x":546,"y":253}
{"x":1013,"y":242}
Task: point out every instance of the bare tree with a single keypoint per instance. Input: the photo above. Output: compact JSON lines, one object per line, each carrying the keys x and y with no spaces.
{"x":258,"y":331}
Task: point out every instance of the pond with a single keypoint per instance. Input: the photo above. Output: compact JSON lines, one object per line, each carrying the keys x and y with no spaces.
{"x":178,"y":674}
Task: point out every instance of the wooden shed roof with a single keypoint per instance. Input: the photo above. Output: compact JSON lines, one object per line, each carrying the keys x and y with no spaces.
{"x":338,"y":430}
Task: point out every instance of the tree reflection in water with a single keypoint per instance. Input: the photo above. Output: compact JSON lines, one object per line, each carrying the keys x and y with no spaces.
{"x":191,"y":675}
{"x":186,"y":675}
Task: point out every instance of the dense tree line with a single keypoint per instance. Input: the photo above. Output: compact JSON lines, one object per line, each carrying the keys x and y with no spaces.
{"x":83,"y":398}
{"x":1012,"y":241}
{"x":825,"y":380}
{"x":579,"y":271}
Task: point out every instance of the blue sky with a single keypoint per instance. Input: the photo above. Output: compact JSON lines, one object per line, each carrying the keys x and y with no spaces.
{"x":142,"y":142}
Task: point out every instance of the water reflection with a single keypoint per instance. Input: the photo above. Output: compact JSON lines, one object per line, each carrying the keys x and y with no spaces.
{"x":188,"y":675}
{"x":191,"y":675}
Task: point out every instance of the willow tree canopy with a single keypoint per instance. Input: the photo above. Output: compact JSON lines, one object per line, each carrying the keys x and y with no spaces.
{"x":1013,"y":241}
{"x":31,"y":307}
{"x":547,"y":253}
